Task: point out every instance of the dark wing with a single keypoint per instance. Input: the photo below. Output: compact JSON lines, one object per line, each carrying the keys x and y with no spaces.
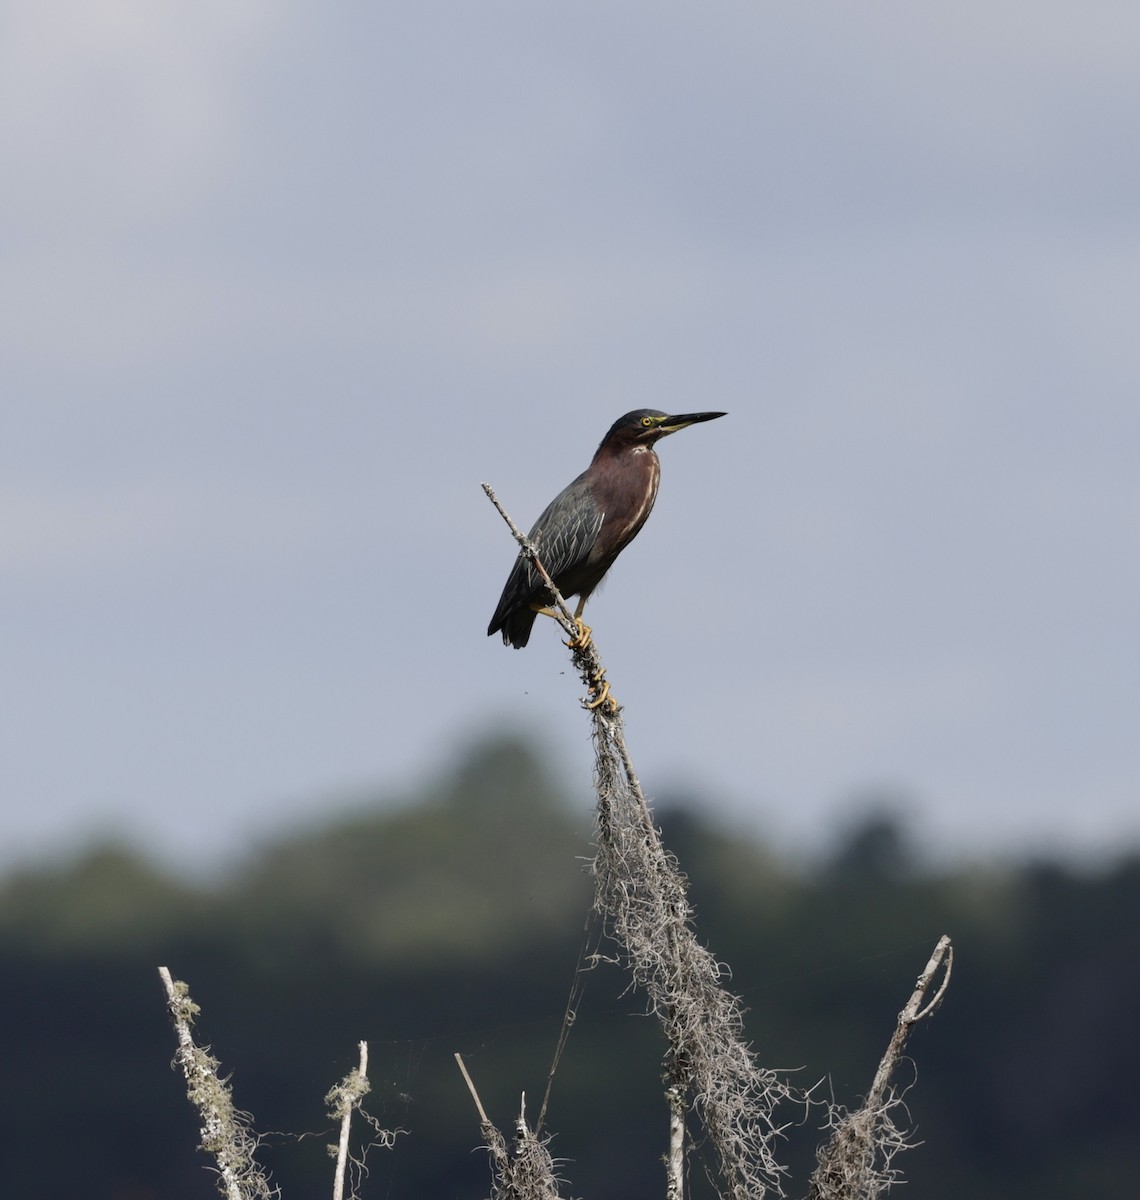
{"x":564,"y":536}
{"x":566,"y":533}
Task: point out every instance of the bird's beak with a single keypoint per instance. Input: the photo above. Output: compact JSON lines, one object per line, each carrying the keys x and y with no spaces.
{"x":672,"y":424}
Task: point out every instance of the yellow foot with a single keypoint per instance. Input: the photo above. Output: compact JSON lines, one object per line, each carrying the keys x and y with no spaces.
{"x":604,"y":696}
{"x":584,"y":637}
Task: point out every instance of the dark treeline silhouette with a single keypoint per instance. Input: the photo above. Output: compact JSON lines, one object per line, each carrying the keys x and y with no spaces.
{"x":455,"y":922}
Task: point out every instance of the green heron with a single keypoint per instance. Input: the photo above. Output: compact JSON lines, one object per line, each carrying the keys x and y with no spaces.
{"x":589,"y":523}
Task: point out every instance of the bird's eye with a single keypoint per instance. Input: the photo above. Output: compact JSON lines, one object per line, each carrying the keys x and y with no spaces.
{"x":647,"y":421}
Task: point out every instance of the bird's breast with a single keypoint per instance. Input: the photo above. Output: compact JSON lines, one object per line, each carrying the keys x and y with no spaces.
{"x":637,"y":492}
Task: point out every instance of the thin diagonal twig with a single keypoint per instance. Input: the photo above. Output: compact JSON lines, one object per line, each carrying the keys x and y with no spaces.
{"x":856,"y":1163}
{"x":225,"y":1131}
{"x":586,"y":658}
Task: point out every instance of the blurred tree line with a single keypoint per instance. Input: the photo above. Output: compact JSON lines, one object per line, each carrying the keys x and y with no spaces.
{"x":456,"y":922}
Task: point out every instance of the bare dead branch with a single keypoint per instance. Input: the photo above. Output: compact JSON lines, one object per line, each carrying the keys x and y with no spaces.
{"x":675,"y":1159}
{"x":483,"y":1118}
{"x":225,"y":1131}
{"x":343,"y":1100}
{"x":525,"y":1173}
{"x":856,"y":1164}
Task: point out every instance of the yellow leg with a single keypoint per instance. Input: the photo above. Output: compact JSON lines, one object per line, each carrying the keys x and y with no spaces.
{"x":546,"y":612}
{"x":583,"y":638}
{"x":584,"y":631}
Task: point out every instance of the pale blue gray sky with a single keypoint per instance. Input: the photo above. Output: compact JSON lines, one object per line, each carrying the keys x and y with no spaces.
{"x":283,"y":283}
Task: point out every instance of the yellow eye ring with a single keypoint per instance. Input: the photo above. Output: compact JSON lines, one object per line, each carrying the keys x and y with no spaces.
{"x":647,"y":421}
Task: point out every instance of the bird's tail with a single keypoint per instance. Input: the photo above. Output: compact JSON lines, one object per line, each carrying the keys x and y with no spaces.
{"x":516,"y":627}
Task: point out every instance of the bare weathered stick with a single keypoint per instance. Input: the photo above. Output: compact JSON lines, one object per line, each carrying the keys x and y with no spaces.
{"x":915,"y":1010}
{"x":343,"y":1100}
{"x":496,"y":1146}
{"x":856,"y":1163}
{"x":528,"y":1172}
{"x":225,"y":1131}
{"x":483,"y":1118}
{"x":675,"y":1159}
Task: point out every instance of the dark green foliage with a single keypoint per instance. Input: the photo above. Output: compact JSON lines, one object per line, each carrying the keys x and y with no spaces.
{"x":455,"y":923}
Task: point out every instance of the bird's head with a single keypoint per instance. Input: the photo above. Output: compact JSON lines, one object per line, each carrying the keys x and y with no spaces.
{"x":644,"y":426}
